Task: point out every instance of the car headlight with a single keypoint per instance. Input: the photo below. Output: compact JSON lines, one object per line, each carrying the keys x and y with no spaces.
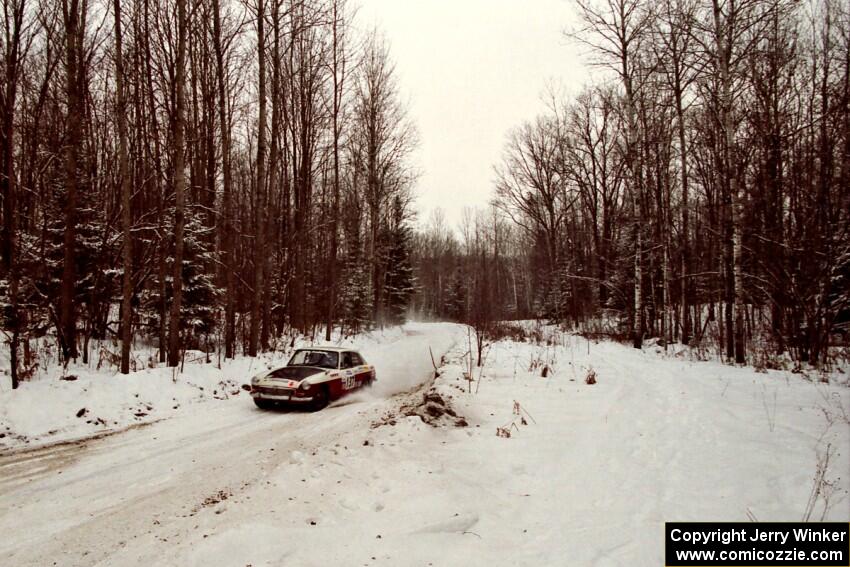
{"x":304,"y":385}
{"x":256,"y":377}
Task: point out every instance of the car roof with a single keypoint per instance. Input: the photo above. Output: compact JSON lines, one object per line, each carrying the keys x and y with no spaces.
{"x":328,"y":348}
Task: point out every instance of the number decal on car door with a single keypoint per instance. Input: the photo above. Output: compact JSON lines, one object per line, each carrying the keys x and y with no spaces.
{"x":348,"y":381}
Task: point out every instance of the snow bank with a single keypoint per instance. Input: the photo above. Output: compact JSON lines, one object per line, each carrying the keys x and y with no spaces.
{"x":59,"y":409}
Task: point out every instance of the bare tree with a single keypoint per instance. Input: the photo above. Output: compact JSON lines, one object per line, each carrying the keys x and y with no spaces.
{"x":338,"y":70}
{"x":530,"y":184}
{"x":126,"y":217}
{"x":259,"y":199}
{"x":616,"y":29}
{"x":74,"y":14}
{"x":179,"y":176}
{"x":386,"y":137}
{"x":674,"y":52}
{"x":16,"y":45}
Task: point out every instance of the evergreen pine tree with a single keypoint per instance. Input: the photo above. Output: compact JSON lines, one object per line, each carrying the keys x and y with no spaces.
{"x":456,"y":296}
{"x":400,"y":281}
{"x":355,"y":295}
{"x":200,"y":294}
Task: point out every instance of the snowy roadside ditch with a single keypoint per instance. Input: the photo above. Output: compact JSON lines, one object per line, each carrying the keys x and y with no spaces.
{"x":85,"y":403}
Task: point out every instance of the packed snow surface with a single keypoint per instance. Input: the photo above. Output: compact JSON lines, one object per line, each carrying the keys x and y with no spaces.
{"x":578,"y":474}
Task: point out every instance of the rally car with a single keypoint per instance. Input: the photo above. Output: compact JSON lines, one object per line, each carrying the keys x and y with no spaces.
{"x":313,"y":377}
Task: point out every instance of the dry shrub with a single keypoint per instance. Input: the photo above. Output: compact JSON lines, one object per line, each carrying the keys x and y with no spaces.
{"x":764,"y":355}
{"x":826,"y":492}
{"x":519,"y":418}
{"x":506,"y":330}
{"x":611,"y":324}
{"x":544,"y":361}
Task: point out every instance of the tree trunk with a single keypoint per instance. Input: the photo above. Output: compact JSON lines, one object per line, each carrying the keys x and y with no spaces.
{"x":637,"y":324}
{"x":126,"y":219}
{"x":737,"y":253}
{"x":8,"y":184}
{"x":337,"y":99}
{"x":637,"y":189}
{"x":274,"y":172}
{"x":74,"y":32}
{"x":259,"y":208}
{"x":686,"y":243}
{"x":227,"y":191}
{"x":179,"y":187}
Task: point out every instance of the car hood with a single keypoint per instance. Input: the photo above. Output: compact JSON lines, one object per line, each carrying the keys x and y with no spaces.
{"x":296,"y":373}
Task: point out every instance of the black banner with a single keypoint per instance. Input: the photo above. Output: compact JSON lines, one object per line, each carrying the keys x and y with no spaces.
{"x":747,"y":544}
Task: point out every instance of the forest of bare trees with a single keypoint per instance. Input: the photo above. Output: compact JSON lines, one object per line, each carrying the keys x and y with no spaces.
{"x":697,"y":191}
{"x":212,"y":175}
{"x":193,"y":174}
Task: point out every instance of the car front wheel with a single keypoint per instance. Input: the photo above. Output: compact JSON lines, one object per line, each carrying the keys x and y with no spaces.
{"x":320,"y":399}
{"x":263,"y":404}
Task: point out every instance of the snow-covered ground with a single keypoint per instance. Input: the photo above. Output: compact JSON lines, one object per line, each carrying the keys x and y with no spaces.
{"x":589,"y":478}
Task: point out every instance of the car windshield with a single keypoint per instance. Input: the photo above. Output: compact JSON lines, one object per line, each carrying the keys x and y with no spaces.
{"x":320,"y":358}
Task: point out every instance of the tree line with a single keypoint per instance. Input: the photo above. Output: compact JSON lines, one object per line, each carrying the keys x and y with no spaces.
{"x":697,"y":191}
{"x":193,"y":174}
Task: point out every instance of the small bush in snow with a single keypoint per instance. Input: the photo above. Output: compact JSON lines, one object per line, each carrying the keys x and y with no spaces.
{"x":503,"y":432}
{"x":590,"y":378}
{"x":520,"y":414}
{"x":825,"y":492}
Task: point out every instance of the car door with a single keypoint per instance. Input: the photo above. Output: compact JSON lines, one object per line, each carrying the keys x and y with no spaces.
{"x":362,"y":371}
{"x":348,"y":372}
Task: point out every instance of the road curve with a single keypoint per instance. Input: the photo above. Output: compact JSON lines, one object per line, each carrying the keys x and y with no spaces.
{"x":80,"y":503}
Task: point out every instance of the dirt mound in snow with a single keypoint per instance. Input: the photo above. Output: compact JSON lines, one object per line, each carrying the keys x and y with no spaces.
{"x":432,"y":408}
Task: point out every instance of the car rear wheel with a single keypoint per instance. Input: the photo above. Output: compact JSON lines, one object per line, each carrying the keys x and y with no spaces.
{"x":320,"y":399}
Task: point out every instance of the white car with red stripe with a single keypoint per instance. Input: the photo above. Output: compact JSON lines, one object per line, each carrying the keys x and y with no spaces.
{"x":314,"y":376}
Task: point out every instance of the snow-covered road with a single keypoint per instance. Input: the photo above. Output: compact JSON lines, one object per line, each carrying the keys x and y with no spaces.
{"x":83,"y":503}
{"x":588,"y":479}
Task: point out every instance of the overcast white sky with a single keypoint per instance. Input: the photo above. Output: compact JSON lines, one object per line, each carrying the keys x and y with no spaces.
{"x":472,"y":70}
